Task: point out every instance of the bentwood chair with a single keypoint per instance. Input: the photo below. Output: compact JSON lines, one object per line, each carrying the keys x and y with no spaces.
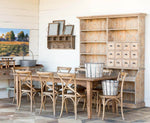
{"x":80,"y":71}
{"x":47,"y":90}
{"x":107,"y":72}
{"x":98,"y":89}
{"x":66,"y":80}
{"x":104,"y":100}
{"x":1,"y":65}
{"x":61,"y":70}
{"x":14,"y":69}
{"x":5,"y":62}
{"x":28,"y":88}
{"x":80,"y":88}
{"x":11,"y":62}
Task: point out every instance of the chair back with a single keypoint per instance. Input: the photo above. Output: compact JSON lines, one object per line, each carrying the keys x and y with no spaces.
{"x":11,"y":61}
{"x":46,"y":77}
{"x":14,"y":69}
{"x":63,"y":69}
{"x":25,"y":79}
{"x":121,"y":79}
{"x":5,"y":59}
{"x":78,"y":70}
{"x":5,"y":62}
{"x":107,"y":72}
{"x":68,"y":79}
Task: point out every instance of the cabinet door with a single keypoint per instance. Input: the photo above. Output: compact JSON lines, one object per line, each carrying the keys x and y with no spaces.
{"x":111,"y":46}
{"x":134,"y":54}
{"x":118,"y":46}
{"x":110,"y":54}
{"x":126,"y":54}
{"x":118,"y":63}
{"x":134,"y":46}
{"x":110,"y":63}
{"x":134,"y":63}
{"x":118,"y":54}
{"x":126,"y":63}
{"x":126,"y":46}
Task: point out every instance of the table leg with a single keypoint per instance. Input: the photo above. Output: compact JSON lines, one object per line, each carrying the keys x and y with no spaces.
{"x":89,"y":99}
{"x":14,"y":64}
{"x":113,"y":106}
{"x":17,"y":90}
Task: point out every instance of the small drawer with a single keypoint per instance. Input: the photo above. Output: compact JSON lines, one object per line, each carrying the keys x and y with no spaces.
{"x":126,"y":46}
{"x":126,"y":54}
{"x":111,"y":46}
{"x":110,"y":63}
{"x":110,"y":54}
{"x":118,"y":54}
{"x":118,"y":46}
{"x":126,"y":63}
{"x":134,"y":46}
{"x":134,"y":54}
{"x":134,"y":63}
{"x":118,"y":63}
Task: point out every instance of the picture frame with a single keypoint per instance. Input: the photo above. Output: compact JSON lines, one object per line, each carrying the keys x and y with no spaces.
{"x":68,"y":30}
{"x":61,"y":26}
{"x":16,"y":43}
{"x":53,"y":29}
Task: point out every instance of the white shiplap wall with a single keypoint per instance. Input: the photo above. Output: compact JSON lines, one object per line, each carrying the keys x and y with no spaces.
{"x":68,"y":10}
{"x":20,"y":14}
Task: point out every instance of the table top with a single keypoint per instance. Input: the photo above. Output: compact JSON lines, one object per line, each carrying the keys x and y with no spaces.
{"x":80,"y":76}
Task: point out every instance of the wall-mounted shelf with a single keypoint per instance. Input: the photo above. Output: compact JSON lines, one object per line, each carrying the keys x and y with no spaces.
{"x":61,"y":42}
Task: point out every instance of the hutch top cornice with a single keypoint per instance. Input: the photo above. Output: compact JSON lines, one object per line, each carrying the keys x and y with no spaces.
{"x":112,"y":16}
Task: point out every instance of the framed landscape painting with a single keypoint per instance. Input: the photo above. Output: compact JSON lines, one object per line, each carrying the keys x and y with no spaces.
{"x":14,"y":42}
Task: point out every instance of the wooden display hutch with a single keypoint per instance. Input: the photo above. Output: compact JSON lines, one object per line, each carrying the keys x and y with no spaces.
{"x":61,"y":42}
{"x":119,"y":42}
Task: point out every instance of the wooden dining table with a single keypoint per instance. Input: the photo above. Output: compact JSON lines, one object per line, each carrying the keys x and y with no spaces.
{"x":81,"y":79}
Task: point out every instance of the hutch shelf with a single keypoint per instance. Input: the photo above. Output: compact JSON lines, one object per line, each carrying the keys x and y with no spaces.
{"x":119,"y":42}
{"x":61,"y":42}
